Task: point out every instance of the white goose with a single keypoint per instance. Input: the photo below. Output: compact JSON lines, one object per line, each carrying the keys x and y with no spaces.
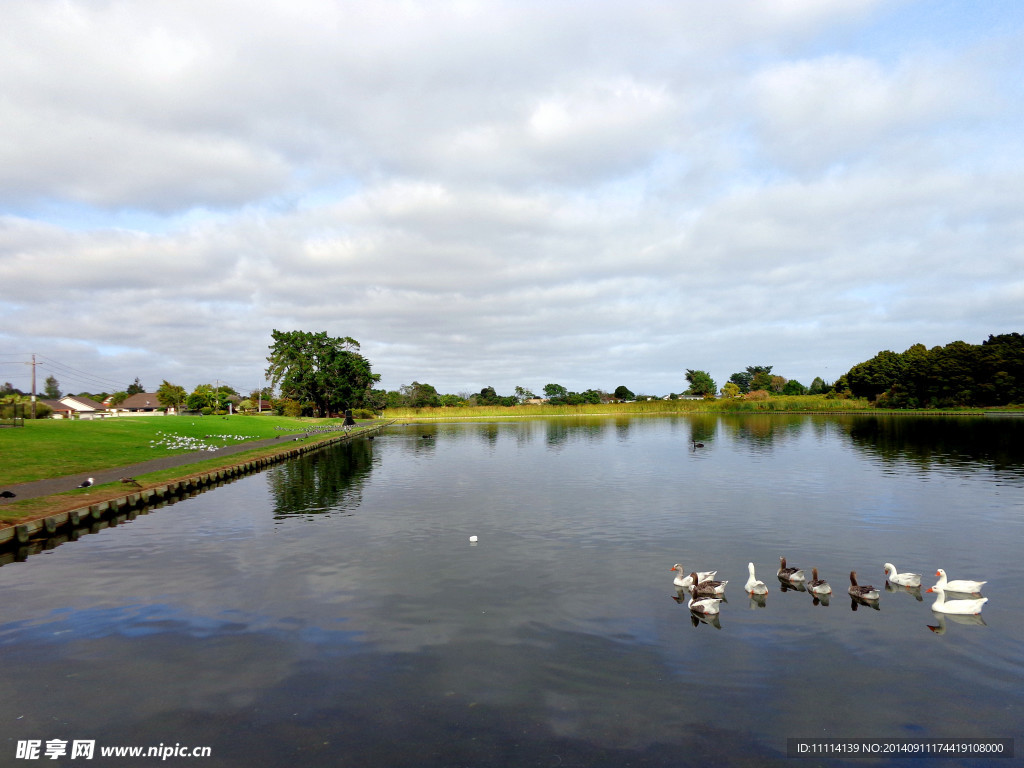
{"x":960,"y":585}
{"x":684,"y":579}
{"x":902,"y":579}
{"x":963,"y":607}
{"x":705,"y":606}
{"x":753,"y":586}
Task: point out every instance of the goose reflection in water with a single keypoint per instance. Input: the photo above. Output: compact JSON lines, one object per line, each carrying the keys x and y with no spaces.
{"x":757,"y":601}
{"x":856,"y":602}
{"x":711,"y":620}
{"x":915,"y":592}
{"x":791,"y":586}
{"x":939,"y":628}
{"x":821,"y":599}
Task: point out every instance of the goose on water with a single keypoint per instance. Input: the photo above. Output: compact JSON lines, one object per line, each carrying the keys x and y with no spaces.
{"x":964,"y":607}
{"x":706,"y":588}
{"x":861,"y":593}
{"x":789,"y":574}
{"x":753,"y":586}
{"x":960,"y":585}
{"x":818,"y":586}
{"x":903,"y":579}
{"x":704,"y":606}
{"x":684,"y":580}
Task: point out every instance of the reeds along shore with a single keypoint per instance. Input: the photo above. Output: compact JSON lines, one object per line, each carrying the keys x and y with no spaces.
{"x":802,"y":404}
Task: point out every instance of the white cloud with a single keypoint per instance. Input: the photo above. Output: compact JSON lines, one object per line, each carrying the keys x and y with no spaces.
{"x":503,"y":194}
{"x":835,"y":109}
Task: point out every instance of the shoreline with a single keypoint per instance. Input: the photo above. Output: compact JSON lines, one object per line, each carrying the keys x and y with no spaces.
{"x":62,"y":512}
{"x":404,"y":418}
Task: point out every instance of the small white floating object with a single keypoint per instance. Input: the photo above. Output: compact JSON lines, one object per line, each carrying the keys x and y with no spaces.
{"x":473,"y":539}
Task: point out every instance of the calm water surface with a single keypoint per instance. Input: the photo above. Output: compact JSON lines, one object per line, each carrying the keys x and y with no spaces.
{"x":332,"y":611}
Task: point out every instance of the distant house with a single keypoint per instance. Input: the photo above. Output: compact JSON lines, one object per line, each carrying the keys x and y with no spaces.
{"x":57,"y":408}
{"x":74,"y":406}
{"x":142,"y":404}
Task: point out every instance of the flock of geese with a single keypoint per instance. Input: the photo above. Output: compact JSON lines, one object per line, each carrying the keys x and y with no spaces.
{"x":706,"y":594}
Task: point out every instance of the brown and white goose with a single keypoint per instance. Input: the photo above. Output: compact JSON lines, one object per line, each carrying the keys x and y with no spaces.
{"x":861,"y":593}
{"x":704,"y":606}
{"x":818,"y":586}
{"x":706,"y":588}
{"x":790,"y":574}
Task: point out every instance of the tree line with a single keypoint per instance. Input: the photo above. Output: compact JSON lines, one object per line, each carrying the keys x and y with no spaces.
{"x":755,"y":382}
{"x":318,"y":375}
{"x":957,"y":374}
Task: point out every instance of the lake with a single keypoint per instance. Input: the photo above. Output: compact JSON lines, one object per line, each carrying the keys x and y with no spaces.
{"x":332,"y":611}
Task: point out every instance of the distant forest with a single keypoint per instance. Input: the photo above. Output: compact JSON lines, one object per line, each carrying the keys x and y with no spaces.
{"x":958,"y":374}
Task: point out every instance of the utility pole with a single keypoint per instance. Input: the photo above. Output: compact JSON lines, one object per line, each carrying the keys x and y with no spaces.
{"x":33,"y":386}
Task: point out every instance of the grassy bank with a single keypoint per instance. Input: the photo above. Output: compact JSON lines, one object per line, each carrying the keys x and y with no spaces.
{"x":55,"y":447}
{"x":27,"y":509}
{"x":795,"y":404}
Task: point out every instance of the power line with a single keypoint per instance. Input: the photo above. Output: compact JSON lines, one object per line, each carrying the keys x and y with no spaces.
{"x":54,"y":367}
{"x":64,"y":369}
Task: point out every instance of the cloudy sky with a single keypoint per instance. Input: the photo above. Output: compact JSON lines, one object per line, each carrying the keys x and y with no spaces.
{"x":505,"y":192}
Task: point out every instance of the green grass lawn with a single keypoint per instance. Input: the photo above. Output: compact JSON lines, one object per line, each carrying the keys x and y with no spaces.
{"x":56,"y":447}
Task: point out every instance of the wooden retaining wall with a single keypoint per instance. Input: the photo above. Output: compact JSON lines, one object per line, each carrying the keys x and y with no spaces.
{"x":23,"y":539}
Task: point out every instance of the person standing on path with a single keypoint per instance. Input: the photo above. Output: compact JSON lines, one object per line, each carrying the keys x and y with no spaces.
{"x":349,"y":421}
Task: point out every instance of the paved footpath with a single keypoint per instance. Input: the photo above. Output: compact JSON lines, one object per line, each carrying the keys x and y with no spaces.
{"x":70,"y":482}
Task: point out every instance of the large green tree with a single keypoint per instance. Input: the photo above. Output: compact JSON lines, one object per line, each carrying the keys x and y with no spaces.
{"x":873,"y":377}
{"x":203,"y":396}
{"x":169,"y":395}
{"x":488,"y":396}
{"x":701,"y":383}
{"x":555,"y":392}
{"x":52,"y":388}
{"x":760,"y":377}
{"x":523,"y":394}
{"x":794,"y":387}
{"x":327,"y":373}
{"x":742,"y":381}
{"x":622,"y":392}
{"x":420,"y":395}
{"x":958,"y":373}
